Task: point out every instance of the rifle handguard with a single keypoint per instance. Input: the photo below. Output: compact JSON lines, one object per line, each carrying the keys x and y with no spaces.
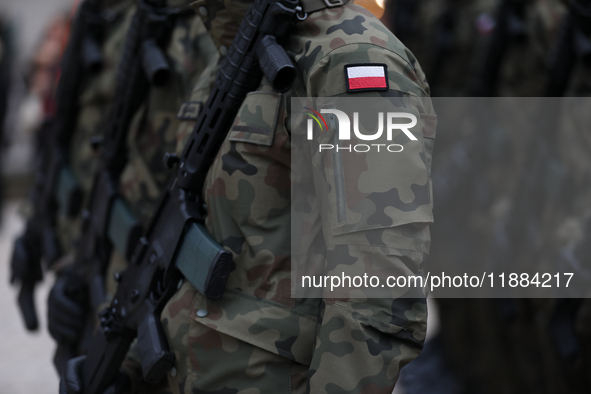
{"x":69,"y":194}
{"x":92,"y":57}
{"x":124,"y":230}
{"x":154,"y":63}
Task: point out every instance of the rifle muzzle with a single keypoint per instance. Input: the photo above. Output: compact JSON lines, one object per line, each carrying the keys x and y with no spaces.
{"x":92,"y":55}
{"x":275,"y":64}
{"x":154,"y":63}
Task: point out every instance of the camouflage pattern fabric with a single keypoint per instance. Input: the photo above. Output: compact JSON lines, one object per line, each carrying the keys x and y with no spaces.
{"x":256,"y":338}
{"x":152,"y":132}
{"x":95,"y":102}
{"x":154,"y":127}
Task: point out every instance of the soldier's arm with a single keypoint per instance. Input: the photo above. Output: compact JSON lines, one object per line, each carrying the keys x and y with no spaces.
{"x":362,"y":343}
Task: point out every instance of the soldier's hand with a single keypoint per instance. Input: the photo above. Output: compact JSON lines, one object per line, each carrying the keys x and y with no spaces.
{"x":66,"y":309}
{"x":71,"y":383}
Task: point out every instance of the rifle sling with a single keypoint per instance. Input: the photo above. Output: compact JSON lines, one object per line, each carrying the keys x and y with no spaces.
{"x":67,"y":191}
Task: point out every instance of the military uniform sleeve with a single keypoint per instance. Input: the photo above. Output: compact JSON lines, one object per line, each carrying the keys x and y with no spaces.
{"x":362,"y":343}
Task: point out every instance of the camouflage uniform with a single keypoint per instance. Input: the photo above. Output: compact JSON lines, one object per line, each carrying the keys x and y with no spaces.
{"x":95,"y":102}
{"x":257,"y":338}
{"x":153,"y":129}
{"x":66,"y":313}
{"x":152,"y":132}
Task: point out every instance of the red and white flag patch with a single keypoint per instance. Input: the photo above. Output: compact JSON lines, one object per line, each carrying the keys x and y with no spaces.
{"x":366,"y":76}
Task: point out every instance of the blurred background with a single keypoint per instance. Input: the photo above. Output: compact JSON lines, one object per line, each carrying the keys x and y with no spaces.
{"x":499,"y":197}
{"x":31,"y":34}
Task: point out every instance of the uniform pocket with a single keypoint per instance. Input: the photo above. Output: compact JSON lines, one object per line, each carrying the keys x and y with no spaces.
{"x":263,"y":323}
{"x":256,"y":119}
{"x":377,"y":190}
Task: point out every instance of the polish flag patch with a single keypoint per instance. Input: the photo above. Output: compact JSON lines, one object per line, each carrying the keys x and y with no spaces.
{"x":366,"y":76}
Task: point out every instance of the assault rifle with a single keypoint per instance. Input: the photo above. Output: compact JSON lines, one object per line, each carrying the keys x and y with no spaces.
{"x":55,"y":188}
{"x":106,"y":220}
{"x":175,"y":241}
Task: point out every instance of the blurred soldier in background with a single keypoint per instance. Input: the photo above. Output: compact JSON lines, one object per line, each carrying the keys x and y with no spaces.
{"x":94,"y":102}
{"x":80,"y":114}
{"x":150,"y":133}
{"x":564,"y":213}
{"x":40,"y":108}
{"x":510,"y":345}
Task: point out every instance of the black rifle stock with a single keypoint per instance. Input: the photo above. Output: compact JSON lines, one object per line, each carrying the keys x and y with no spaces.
{"x":142,"y":64}
{"x":175,"y":232}
{"x":39,"y":239}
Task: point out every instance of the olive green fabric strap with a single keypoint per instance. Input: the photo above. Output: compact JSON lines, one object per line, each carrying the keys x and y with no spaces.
{"x":67,"y":191}
{"x":124,"y":230}
{"x":310,"y":6}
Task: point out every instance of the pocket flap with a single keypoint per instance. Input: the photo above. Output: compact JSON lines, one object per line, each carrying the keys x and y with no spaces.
{"x":256,"y":119}
{"x":262,"y":323}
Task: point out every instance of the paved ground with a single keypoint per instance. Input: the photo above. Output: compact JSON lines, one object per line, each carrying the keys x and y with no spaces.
{"x":25,"y":358}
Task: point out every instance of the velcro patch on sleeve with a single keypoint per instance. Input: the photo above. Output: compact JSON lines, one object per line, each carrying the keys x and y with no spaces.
{"x":189,"y":110}
{"x":366,"y":77}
